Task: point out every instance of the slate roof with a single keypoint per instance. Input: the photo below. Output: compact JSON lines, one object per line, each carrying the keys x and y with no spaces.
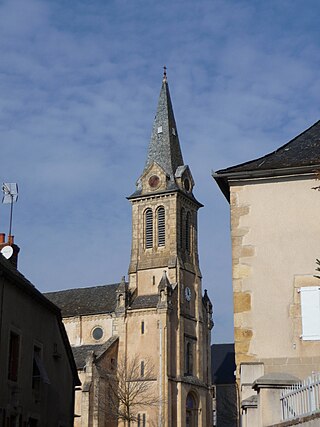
{"x":301,"y":154}
{"x":85,"y":301}
{"x":164,"y":147}
{"x":303,"y":150}
{"x":223,"y":363}
{"x":145,"y":301}
{"x":81,"y":352}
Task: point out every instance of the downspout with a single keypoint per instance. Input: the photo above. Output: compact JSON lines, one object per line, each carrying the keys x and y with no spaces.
{"x":2,"y":299}
{"x":160,"y":374}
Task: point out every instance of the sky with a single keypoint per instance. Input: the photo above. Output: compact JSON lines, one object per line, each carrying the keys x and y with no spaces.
{"x":79,"y":85}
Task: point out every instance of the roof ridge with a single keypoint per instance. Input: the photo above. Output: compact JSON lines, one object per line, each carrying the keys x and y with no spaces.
{"x":84,"y":288}
{"x":231,"y":168}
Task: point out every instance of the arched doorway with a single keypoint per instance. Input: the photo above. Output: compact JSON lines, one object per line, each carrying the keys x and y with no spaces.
{"x":191,"y":411}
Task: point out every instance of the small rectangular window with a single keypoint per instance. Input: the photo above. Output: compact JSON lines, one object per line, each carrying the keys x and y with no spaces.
{"x":188,"y":358}
{"x":14,"y":349}
{"x":39,"y":372}
{"x":142,"y":369}
{"x":310,"y":312}
{"x":142,"y":327}
{"x":35,"y":369}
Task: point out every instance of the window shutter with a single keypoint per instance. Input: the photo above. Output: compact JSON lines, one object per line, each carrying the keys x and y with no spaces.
{"x":182,"y":229}
{"x":310,"y":312}
{"x":161,"y":227}
{"x":149,"y":229}
{"x":188,"y":234}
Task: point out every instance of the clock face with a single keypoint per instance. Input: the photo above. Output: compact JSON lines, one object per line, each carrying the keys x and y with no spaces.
{"x":187,"y":293}
{"x":154,"y":181}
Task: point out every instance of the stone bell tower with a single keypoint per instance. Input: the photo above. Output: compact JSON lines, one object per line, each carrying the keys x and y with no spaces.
{"x":164,"y":262}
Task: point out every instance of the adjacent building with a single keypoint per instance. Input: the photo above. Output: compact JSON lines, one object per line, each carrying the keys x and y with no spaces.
{"x":159,"y":321}
{"x":225,"y":388}
{"x":275,"y":229}
{"x":38,"y":374}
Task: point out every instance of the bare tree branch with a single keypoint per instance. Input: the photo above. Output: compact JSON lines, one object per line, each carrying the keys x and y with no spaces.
{"x":129,"y":392}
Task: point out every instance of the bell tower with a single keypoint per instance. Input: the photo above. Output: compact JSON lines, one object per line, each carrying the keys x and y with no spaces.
{"x":164,"y":268}
{"x":164,"y":209}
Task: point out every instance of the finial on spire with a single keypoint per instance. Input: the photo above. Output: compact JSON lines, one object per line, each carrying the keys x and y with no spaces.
{"x":164,"y":74}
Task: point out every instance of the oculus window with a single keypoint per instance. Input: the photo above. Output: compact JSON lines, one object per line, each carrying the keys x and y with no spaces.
{"x":97,"y":333}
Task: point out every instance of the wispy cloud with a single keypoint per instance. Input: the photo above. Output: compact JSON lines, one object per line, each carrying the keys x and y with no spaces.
{"x":79,"y":83}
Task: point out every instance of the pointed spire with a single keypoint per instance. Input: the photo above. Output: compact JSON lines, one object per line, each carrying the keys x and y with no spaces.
{"x":164,"y":282}
{"x":164,"y":147}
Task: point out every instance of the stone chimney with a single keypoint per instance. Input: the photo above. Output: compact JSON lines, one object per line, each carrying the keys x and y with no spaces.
{"x":14,"y":257}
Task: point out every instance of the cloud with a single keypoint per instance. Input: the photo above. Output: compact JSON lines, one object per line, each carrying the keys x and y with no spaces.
{"x":79,"y":83}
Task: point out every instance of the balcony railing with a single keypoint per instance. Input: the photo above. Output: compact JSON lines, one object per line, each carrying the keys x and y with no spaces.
{"x":301,"y":399}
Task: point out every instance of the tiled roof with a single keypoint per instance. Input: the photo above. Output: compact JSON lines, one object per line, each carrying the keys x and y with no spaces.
{"x":145,"y":301}
{"x":300,"y":155}
{"x":164,"y":147}
{"x":85,"y":301}
{"x":303,"y":150}
{"x":81,"y":352}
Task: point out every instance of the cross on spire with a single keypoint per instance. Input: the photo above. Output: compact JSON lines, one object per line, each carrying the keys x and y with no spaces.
{"x":164,"y":74}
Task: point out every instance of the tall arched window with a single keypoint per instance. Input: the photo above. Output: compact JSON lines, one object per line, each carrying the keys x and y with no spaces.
{"x":182,"y":230}
{"x":149,"y":228}
{"x":191,"y":411}
{"x":189,"y":359}
{"x":188,"y":232}
{"x":161,"y":226}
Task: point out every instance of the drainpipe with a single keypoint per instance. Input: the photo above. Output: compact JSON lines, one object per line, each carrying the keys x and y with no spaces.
{"x":160,"y":374}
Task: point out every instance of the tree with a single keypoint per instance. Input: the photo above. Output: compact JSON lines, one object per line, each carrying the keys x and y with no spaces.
{"x":131,"y":389}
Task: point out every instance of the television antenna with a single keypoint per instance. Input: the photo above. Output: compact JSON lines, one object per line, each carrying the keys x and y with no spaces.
{"x":10,"y":195}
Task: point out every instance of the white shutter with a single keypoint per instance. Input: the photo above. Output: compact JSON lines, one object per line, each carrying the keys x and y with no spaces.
{"x":310,"y":312}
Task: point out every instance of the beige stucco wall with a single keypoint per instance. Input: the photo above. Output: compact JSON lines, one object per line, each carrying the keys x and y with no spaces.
{"x":79,"y":329}
{"x":275,"y":232}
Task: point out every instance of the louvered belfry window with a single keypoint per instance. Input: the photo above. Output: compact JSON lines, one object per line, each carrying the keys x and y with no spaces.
{"x":188,"y":232}
{"x":149,"y":228}
{"x":182,"y":234}
{"x":161,"y":227}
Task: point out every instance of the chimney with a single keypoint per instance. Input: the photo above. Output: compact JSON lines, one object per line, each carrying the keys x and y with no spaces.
{"x":14,"y":257}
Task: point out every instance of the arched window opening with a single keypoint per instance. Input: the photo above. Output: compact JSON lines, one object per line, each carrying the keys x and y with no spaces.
{"x":182,"y":237}
{"x":188,"y":232}
{"x":191,"y":404}
{"x":189,"y":359}
{"x":149,"y":228}
{"x":191,"y":411}
{"x":161,"y":227}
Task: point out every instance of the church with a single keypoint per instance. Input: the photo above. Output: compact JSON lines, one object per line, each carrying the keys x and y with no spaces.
{"x":142,"y":346}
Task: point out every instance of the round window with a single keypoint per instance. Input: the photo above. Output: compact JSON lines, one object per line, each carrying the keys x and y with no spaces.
{"x":154,"y":181}
{"x":186,"y":184}
{"x":97,"y":333}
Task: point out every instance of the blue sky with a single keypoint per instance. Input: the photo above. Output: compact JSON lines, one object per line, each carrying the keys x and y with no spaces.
{"x":79,"y":84}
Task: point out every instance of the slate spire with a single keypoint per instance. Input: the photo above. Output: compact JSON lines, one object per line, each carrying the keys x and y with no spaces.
{"x":164,"y":147}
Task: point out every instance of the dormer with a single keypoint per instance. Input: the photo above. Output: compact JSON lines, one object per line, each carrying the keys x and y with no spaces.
{"x":184,"y":179}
